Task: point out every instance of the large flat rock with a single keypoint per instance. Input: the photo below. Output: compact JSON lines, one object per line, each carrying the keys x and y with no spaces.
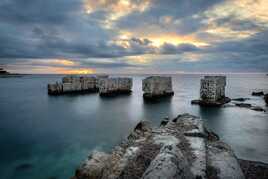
{"x":179,"y":148}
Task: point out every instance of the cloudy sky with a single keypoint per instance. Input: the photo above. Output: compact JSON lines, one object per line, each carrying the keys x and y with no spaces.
{"x":134,"y":36}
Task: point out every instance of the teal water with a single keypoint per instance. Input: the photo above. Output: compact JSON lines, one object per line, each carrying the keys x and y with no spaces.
{"x":47,"y":137}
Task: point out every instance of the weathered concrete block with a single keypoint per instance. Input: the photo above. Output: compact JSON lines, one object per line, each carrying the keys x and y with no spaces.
{"x":88,"y":83}
{"x":55,"y":89}
{"x":212,"y":88}
{"x":110,"y":86}
{"x":67,"y":87}
{"x":74,"y":84}
{"x":70,"y":79}
{"x":212,"y":91}
{"x":157,"y":86}
{"x":99,"y":77}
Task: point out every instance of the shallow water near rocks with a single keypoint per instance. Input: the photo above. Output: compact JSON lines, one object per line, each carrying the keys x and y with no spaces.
{"x":48,"y":136}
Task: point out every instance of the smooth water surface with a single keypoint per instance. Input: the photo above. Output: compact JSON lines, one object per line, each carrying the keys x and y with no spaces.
{"x":47,"y":137}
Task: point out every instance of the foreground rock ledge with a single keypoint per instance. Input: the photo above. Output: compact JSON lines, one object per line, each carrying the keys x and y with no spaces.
{"x":179,"y":148}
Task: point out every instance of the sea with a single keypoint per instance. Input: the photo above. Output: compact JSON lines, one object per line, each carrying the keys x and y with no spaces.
{"x":47,"y":137}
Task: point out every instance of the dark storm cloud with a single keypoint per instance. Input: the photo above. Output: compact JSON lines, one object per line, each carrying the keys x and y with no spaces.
{"x":28,"y":12}
{"x":182,"y":11}
{"x":234,"y":55}
{"x":51,"y":29}
{"x":61,"y":29}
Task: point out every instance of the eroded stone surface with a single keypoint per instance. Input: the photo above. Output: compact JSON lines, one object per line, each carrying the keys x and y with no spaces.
{"x":222,"y":162}
{"x":157,"y":86}
{"x":110,"y":86}
{"x":266,"y":98}
{"x":73,"y":84}
{"x":182,"y":148}
{"x":93,"y":167}
{"x":212,"y":91}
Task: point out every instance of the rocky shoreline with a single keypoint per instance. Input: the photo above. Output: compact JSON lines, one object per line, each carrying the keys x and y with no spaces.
{"x":179,"y":148}
{"x":254,"y":169}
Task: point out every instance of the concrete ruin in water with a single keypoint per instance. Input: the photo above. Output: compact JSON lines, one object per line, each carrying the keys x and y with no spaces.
{"x":179,"y":148}
{"x":212,"y":91}
{"x":157,"y":86}
{"x":82,"y":84}
{"x":113,"y":86}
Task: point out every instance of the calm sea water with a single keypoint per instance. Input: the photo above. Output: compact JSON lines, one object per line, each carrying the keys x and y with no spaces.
{"x":45,"y":137}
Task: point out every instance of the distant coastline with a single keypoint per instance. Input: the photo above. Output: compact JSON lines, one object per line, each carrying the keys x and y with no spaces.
{"x":6,"y":74}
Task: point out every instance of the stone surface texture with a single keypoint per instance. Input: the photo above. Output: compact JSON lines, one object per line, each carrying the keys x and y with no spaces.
{"x":212,"y":88}
{"x":157,"y":86}
{"x":212,"y":91}
{"x":109,"y":86}
{"x":266,"y":98}
{"x":181,"y":148}
{"x":72,"y":84}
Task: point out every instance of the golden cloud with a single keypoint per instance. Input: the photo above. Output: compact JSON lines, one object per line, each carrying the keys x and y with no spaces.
{"x":115,"y":8}
{"x":247,"y":10}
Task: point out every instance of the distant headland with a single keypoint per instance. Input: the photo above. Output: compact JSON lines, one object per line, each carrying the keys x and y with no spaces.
{"x":6,"y":74}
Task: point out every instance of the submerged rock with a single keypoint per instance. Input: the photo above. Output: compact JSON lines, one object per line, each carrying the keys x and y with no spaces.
{"x":157,"y":86}
{"x":257,"y":108}
{"x":249,"y":106}
{"x":245,"y":105}
{"x":24,"y":166}
{"x":240,"y":99}
{"x":258,"y":93}
{"x":182,"y":148}
{"x":212,"y":91}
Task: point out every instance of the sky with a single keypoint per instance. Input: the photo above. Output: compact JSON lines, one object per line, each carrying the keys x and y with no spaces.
{"x":134,"y":36}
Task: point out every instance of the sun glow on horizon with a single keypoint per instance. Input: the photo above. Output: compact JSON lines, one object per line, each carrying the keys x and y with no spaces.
{"x":79,"y":71}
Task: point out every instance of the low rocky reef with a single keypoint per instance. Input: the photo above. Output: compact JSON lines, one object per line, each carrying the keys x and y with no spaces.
{"x":155,"y":87}
{"x":113,"y":86}
{"x":257,"y":93}
{"x":212,"y":91}
{"x":179,"y":148}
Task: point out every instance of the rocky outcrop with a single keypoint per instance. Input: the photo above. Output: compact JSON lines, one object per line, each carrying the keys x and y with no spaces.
{"x":73,"y":84}
{"x":179,"y":148}
{"x":157,"y":86}
{"x":112,"y":86}
{"x":212,"y":91}
{"x":243,"y":105}
{"x":240,"y":99}
{"x":253,"y":169}
{"x":248,"y":106}
{"x":257,"y":93}
{"x":266,"y":98}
